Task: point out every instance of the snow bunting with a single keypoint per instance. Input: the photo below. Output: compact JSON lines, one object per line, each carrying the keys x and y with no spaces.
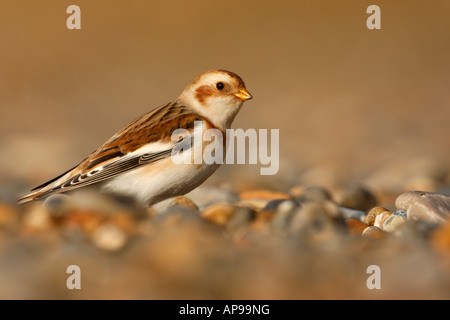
{"x":136,"y":161}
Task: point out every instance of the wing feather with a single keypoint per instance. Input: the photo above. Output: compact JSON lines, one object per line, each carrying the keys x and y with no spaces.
{"x":121,"y":152}
{"x":110,"y":170}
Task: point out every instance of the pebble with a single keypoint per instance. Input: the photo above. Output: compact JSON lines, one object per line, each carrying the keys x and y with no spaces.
{"x":358,"y":197}
{"x":254,"y":204}
{"x":258,"y":199}
{"x":88,"y":221}
{"x":373,"y":232}
{"x":109,"y":237}
{"x":372,"y":214}
{"x":401,"y":213}
{"x":315,"y":194}
{"x":381,"y":218}
{"x":184,"y":203}
{"x":37,"y":218}
{"x":281,"y":204}
{"x":219,"y":213}
{"x":315,"y":219}
{"x":206,"y":196}
{"x":263,"y":194}
{"x":58,"y":205}
{"x":240,"y":220}
{"x":428,"y":206}
{"x":105,"y":204}
{"x":348,"y":213}
{"x":355,"y":226}
{"x":283,"y":214}
{"x":393,"y":222}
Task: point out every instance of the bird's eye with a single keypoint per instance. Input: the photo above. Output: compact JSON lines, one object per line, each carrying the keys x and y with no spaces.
{"x":220,"y":85}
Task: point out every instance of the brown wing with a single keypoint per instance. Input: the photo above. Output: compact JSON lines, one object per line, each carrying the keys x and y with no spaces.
{"x":154,"y":126}
{"x":116,"y":156}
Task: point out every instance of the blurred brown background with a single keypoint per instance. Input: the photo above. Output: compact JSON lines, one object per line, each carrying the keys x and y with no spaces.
{"x":351,"y":104}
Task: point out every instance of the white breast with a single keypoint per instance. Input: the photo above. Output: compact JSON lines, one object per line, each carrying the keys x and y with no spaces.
{"x":162,"y":179}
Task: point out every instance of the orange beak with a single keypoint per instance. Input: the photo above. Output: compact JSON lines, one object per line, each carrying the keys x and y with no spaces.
{"x":243,"y":94}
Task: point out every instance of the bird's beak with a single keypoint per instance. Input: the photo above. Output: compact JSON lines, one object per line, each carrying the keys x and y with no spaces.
{"x":243,"y":94}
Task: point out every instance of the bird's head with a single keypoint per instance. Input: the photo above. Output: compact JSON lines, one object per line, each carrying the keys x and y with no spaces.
{"x":218,"y":95}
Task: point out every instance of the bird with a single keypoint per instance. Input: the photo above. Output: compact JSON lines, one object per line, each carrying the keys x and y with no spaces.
{"x":136,"y":161}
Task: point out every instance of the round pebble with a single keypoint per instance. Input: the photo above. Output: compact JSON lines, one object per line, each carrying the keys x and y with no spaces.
{"x":314,"y":218}
{"x":358,"y":197}
{"x":428,"y":206}
{"x":373,"y":232}
{"x":372,"y":214}
{"x":281,"y":204}
{"x":381,"y":218}
{"x":219,"y":213}
{"x":283,"y":214}
{"x":393,"y":222}
{"x":37,"y":218}
{"x":109,"y":237}
{"x":258,"y":199}
{"x":348,"y":213}
{"x":263,"y":194}
{"x":205,"y":196}
{"x":315,"y":194}
{"x":184,"y":203}
{"x":355,"y":226}
{"x":240,"y":219}
{"x":401,"y":213}
{"x":58,"y":205}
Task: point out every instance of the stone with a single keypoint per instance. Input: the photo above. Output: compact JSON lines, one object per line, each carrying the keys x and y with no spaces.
{"x":348,"y":213}
{"x":240,"y":220}
{"x":381,"y":218}
{"x":219,"y":213}
{"x":58,"y":205}
{"x":86,"y":220}
{"x":109,"y":237}
{"x":281,"y":204}
{"x":185,"y":203}
{"x":37,"y":218}
{"x":428,"y":206}
{"x":205,"y":196}
{"x":355,"y":226}
{"x":314,"y":219}
{"x":263,"y":194}
{"x":102,"y":203}
{"x":358,"y":197}
{"x":372,"y":214}
{"x":297,"y":191}
{"x":332,"y":209}
{"x":414,"y":229}
{"x":393,"y":222}
{"x":254,"y":204}
{"x":283,"y":214}
{"x":374,"y":232}
{"x":315,"y":194}
{"x":401,"y":213}
{"x":259,"y":199}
